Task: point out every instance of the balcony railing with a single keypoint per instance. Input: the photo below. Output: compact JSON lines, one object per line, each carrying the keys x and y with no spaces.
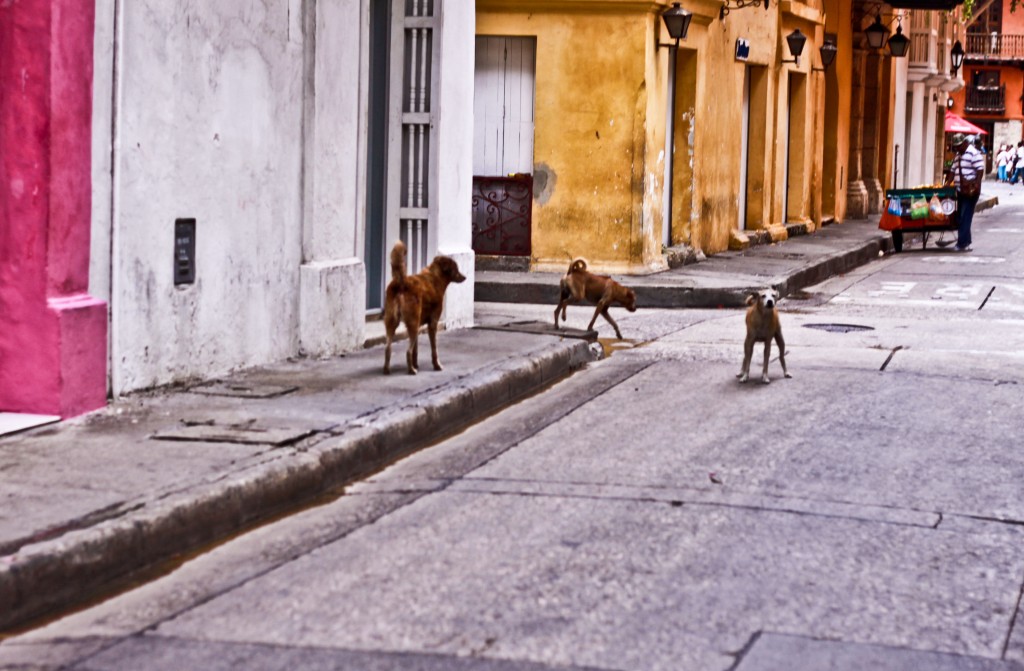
{"x":920,"y":49}
{"x":986,"y":99}
{"x":995,"y":47}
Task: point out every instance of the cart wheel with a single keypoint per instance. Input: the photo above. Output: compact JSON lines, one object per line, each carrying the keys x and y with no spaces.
{"x":897,"y":241}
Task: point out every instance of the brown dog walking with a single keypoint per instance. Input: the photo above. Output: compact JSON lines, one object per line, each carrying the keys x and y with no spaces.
{"x":601,"y":290}
{"x":414,"y":299}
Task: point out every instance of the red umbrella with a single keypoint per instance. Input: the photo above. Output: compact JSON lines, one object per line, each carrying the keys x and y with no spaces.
{"x":956,"y":124}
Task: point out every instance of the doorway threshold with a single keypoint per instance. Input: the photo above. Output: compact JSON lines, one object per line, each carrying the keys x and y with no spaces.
{"x":13,"y":422}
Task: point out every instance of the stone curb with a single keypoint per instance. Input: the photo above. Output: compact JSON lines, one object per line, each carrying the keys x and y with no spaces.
{"x":79,"y":565}
{"x":836,"y":264}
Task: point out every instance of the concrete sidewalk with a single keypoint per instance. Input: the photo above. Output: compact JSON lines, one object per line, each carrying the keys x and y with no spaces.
{"x":88,"y":501}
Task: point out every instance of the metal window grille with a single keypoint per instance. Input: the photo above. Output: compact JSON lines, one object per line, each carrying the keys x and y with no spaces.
{"x":413,"y":182}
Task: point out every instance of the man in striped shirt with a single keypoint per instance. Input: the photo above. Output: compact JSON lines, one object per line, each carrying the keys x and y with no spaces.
{"x":968,"y":169}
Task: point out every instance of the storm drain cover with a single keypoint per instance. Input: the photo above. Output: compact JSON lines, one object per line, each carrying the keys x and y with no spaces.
{"x":839,"y":328}
{"x":241,"y":389}
{"x":246,"y":432}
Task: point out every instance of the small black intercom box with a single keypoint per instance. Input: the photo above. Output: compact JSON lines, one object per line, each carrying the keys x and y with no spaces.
{"x":184,"y":251}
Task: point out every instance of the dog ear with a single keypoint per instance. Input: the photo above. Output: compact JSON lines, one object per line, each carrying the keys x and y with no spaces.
{"x":751,"y":299}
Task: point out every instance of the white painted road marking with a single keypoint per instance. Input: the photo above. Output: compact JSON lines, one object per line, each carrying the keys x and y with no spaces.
{"x":964,"y":258}
{"x":900,"y":289}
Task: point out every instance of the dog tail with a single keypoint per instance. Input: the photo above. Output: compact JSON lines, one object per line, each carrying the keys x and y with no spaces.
{"x":398,"y":263}
{"x":578,"y":264}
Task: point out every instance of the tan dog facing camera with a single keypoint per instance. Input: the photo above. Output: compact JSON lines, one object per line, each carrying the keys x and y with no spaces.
{"x":601,"y":290}
{"x":763,"y":326}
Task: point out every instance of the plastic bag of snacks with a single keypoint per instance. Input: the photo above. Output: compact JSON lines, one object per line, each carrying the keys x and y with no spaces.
{"x":935,"y":212}
{"x":919,"y":208}
{"x":895,"y":207}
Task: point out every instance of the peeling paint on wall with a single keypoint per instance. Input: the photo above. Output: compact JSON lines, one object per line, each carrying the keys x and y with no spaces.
{"x":544,"y":179}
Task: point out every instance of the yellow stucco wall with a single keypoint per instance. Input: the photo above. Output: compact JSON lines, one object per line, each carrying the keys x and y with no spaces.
{"x":590,"y":132}
{"x":600,"y":122}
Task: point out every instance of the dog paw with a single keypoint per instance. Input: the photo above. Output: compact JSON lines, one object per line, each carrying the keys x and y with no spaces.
{"x":742,"y":378}
{"x":387,"y":371}
{"x":438,"y":366}
{"x":788,"y":375}
{"x":765,"y":380}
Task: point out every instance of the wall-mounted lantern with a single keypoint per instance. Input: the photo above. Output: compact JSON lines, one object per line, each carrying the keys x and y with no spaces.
{"x":956,"y":56}
{"x":796,"y":41}
{"x":677,"y":21}
{"x":876,"y":33}
{"x":828,"y":54}
{"x":899,"y":43}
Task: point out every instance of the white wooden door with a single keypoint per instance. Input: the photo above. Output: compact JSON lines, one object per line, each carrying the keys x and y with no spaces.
{"x":503,"y":105}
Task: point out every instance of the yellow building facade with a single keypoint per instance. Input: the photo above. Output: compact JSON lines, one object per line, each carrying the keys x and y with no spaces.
{"x":758,"y":142}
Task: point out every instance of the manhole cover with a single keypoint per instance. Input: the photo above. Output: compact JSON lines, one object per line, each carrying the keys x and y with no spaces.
{"x":839,"y":328}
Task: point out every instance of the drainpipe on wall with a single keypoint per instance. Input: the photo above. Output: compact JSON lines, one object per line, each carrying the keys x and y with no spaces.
{"x":670,"y":123}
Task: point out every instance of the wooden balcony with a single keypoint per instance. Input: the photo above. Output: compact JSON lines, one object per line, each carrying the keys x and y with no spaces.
{"x":986,"y":100}
{"x":994,"y":48}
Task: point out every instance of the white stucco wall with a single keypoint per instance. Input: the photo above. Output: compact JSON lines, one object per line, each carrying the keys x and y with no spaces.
{"x":455,"y":135}
{"x":209,"y":123}
{"x":252,"y":119}
{"x":334,"y":148}
{"x":332,"y":292}
{"x":899,"y":115}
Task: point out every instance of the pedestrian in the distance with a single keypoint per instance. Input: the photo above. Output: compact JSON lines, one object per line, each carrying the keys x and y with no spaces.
{"x":1002,"y":159}
{"x":968,"y":169}
{"x":1018,"y":169}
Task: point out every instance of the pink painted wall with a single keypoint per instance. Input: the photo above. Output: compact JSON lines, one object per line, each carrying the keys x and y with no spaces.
{"x":52,"y":333}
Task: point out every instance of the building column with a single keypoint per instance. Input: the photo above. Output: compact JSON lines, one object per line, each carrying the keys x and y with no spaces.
{"x":872,"y":132}
{"x":933,"y":139}
{"x":916,"y":136}
{"x":856,"y":193}
{"x":332,"y":277}
{"x":53,"y":334}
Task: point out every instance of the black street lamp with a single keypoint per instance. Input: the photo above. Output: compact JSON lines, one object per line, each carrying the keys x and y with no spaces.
{"x":828,"y":54}
{"x":899,"y":43}
{"x":956,"y":56}
{"x":796,"y":41}
{"x":876,"y":33}
{"x":677,"y":21}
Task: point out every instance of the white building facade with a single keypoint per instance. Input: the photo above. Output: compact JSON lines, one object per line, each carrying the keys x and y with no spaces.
{"x":923,"y":84}
{"x":253,"y":163}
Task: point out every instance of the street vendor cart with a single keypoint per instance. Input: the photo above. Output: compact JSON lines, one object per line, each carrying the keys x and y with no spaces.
{"x":922,"y":210}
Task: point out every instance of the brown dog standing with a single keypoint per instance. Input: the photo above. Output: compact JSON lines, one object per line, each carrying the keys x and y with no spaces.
{"x":414,"y":299}
{"x":763,"y":326}
{"x":580,"y":284}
